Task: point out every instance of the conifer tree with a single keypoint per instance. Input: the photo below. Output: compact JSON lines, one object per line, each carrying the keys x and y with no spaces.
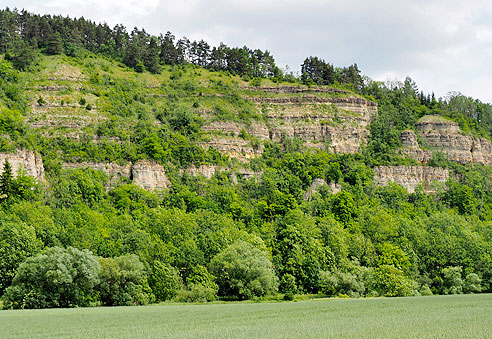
{"x":6,"y":181}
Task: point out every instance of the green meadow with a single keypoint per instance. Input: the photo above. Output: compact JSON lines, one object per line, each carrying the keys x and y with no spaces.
{"x":459,"y":316}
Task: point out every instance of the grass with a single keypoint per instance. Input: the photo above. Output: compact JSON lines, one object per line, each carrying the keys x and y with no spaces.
{"x":461,"y":316}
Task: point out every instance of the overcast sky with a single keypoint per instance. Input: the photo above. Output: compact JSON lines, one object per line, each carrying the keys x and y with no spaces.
{"x":443,"y":45}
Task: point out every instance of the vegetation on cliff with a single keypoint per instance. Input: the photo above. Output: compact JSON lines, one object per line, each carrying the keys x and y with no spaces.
{"x":79,"y":92}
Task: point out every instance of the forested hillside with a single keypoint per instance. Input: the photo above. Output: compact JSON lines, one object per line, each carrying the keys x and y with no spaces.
{"x":138,"y":169}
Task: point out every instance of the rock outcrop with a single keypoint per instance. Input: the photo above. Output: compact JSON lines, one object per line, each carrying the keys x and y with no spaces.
{"x":442,"y":135}
{"x":317,"y":183}
{"x":337,"y":122}
{"x":340,"y":124}
{"x":411,"y":148}
{"x":150,"y":175}
{"x":145,"y":173}
{"x":29,"y":161}
{"x":410,"y":176}
{"x":114,"y":171}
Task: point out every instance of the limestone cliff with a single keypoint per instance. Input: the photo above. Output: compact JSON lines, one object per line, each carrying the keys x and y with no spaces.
{"x":338,"y":123}
{"x":445,"y":136}
{"x":410,"y":176}
{"x":29,"y":161}
{"x":145,"y":173}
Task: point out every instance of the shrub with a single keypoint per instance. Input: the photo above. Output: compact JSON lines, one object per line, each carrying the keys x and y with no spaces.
{"x":196,"y":293}
{"x":18,"y":241}
{"x":391,"y":282}
{"x":452,"y":282}
{"x":123,"y":281}
{"x":164,"y":281}
{"x":243,"y":272}
{"x":472,"y":284}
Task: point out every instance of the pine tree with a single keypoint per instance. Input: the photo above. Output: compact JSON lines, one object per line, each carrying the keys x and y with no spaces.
{"x":6,"y":181}
{"x":55,"y":44}
{"x":151,"y":58}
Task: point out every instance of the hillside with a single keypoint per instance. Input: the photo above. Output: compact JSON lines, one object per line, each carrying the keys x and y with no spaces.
{"x":191,"y":182}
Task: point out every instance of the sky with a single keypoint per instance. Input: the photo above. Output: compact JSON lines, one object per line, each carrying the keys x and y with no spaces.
{"x":443,"y":45}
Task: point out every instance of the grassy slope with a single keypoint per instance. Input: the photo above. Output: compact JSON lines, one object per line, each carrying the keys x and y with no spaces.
{"x":461,"y":316}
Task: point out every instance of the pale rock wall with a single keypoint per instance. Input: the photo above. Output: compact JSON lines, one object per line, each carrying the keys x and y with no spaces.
{"x":317,"y":183}
{"x":410,"y":176}
{"x":145,"y":173}
{"x":150,"y":175}
{"x":114,"y":171}
{"x":337,"y":123}
{"x":29,"y":161}
{"x":446,"y":137}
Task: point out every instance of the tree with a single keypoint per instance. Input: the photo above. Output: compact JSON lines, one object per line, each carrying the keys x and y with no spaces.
{"x":17,"y":242}
{"x":317,"y":71}
{"x":243,"y":272}
{"x":56,"y":277}
{"x":123,"y":281}
{"x":164,"y":281}
{"x":297,"y":252}
{"x":22,"y":56}
{"x":151,"y":57}
{"x":55,"y":44}
{"x":6,"y":181}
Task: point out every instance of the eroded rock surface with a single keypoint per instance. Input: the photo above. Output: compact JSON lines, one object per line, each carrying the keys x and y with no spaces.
{"x":411,"y":176}
{"x":29,"y":161}
{"x":445,"y":136}
{"x":150,"y":175}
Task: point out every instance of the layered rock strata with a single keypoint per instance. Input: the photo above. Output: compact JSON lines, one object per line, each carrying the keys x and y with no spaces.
{"x":338,"y":124}
{"x":445,"y":136}
{"x":29,"y":161}
{"x":145,"y":173}
{"x":411,"y":176}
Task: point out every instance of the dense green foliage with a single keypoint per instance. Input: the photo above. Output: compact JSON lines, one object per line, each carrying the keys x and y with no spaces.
{"x":54,"y":278}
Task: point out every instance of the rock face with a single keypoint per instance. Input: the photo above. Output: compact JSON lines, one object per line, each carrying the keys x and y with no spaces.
{"x":29,"y":161}
{"x":445,"y":136}
{"x":412,"y":149}
{"x":317,"y":183}
{"x":334,"y":122}
{"x":338,"y":123}
{"x":145,"y":173}
{"x":149,"y":175}
{"x":114,"y":171}
{"x":410,"y":176}
{"x":238,"y":148}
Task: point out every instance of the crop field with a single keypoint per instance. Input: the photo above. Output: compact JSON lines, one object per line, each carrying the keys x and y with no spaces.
{"x":462,"y":316}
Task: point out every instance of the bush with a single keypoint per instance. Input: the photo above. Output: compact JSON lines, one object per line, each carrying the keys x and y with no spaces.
{"x":18,"y":241}
{"x":55,"y":278}
{"x":196,"y":293}
{"x":452,"y":282}
{"x":288,"y":284}
{"x":391,"y":282}
{"x":123,"y":281}
{"x":472,"y":284}
{"x":164,"y":281}
{"x":243,"y":272}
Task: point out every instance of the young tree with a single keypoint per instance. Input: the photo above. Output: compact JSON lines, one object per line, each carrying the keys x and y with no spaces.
{"x":17,"y":242}
{"x":6,"y":181}
{"x":123,"y":281}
